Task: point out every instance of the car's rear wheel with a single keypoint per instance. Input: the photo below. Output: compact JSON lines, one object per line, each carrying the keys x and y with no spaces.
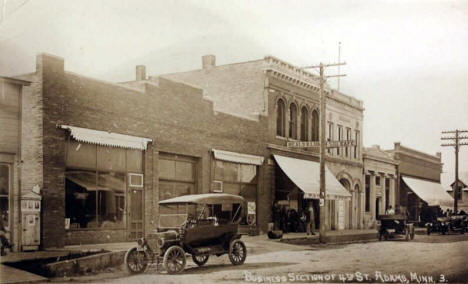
{"x":237,"y":252}
{"x":200,"y":260}
{"x":136,"y":261}
{"x":174,"y":260}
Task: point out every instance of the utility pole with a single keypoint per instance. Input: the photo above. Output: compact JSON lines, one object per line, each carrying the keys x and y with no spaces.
{"x":323,"y":141}
{"x":457,"y":141}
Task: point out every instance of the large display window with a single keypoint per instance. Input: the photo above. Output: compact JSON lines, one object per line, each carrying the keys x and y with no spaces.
{"x":96,"y":181}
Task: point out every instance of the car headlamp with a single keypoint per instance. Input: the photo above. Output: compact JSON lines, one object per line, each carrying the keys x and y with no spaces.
{"x":160,"y":242}
{"x":141,"y":242}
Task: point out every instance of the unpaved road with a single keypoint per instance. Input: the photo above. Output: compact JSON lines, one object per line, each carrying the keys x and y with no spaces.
{"x":432,"y":258}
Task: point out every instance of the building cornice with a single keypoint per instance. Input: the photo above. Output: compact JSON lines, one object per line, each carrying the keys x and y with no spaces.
{"x":379,"y":159}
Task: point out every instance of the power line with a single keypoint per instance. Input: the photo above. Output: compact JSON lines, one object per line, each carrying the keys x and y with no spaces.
{"x":457,"y":141}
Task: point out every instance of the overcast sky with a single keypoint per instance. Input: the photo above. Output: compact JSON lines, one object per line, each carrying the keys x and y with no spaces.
{"x":407,"y":60}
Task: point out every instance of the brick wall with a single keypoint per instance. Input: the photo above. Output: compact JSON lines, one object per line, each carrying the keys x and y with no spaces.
{"x":174,"y":115}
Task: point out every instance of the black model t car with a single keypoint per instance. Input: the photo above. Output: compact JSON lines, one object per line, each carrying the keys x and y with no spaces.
{"x":200,"y":225}
{"x":394,"y":225}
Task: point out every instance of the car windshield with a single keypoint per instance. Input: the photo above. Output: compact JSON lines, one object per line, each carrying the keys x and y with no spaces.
{"x":175,"y":215}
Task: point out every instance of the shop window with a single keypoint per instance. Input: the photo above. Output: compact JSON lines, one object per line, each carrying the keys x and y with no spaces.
{"x":315,"y":126}
{"x":293,"y":121}
{"x":176,"y":176}
{"x":238,"y":179}
{"x":367,"y":197}
{"x":96,"y":180}
{"x":280,"y":118}
{"x":304,"y":124}
{"x":4,"y":193}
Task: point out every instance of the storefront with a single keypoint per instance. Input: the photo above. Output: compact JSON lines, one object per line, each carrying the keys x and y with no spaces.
{"x":238,"y":174}
{"x":298,"y":185}
{"x":422,"y":193}
{"x":104,"y":184}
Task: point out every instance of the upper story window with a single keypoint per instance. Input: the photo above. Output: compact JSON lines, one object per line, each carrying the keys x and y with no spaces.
{"x":293,"y":121}
{"x":330,"y":135}
{"x":315,"y":126}
{"x":356,"y":145}
{"x":340,"y":137}
{"x":304,"y":124}
{"x":280,"y":118}
{"x":348,"y":137}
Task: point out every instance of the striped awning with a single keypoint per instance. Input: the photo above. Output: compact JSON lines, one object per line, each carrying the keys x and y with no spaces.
{"x":107,"y":138}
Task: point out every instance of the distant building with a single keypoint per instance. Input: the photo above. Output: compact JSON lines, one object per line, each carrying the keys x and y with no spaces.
{"x":419,"y":181}
{"x":462,"y":192}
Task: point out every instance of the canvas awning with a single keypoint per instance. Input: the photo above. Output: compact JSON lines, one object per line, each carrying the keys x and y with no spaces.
{"x":306,"y":175}
{"x":431,"y":192}
{"x":107,"y":138}
{"x":237,"y":157}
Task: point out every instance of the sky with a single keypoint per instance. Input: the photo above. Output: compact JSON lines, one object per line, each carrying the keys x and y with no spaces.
{"x":407,"y":60}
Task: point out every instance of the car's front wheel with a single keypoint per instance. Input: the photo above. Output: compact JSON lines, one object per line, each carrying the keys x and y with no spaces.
{"x":237,"y":252}
{"x":174,"y":260}
{"x":200,"y":260}
{"x":136,"y":261}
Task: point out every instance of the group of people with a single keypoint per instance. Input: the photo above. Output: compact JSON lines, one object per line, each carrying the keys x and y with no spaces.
{"x":289,"y":219}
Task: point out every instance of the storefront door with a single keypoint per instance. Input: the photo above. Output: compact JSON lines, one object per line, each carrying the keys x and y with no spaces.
{"x":4,"y":194}
{"x":135,"y":213}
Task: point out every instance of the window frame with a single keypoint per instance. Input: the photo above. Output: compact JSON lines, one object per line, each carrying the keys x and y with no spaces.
{"x":280,"y":118}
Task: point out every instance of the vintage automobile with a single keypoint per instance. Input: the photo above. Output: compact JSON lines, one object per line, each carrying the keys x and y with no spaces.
{"x":200,"y":225}
{"x":393,"y":225}
{"x":445,"y":225}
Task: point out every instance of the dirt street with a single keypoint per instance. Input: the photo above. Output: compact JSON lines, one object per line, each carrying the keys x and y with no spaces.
{"x":426,"y":259}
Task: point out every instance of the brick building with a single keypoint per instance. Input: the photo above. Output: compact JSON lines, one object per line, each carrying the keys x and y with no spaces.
{"x":11,"y":130}
{"x":381,"y":183}
{"x":103,"y":154}
{"x":288,"y":97}
{"x":419,"y":181}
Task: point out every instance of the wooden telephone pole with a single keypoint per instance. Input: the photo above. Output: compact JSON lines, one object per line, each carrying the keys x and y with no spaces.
{"x":457,"y":141}
{"x":323,"y":141}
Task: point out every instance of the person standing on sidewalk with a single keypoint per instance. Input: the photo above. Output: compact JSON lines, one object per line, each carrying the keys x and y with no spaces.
{"x":4,"y":241}
{"x":310,"y":220}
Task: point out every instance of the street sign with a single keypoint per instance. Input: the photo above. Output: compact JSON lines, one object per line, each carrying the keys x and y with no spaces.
{"x":330,"y":144}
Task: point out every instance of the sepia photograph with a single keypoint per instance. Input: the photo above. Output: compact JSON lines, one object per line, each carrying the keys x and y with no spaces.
{"x":222,"y":141}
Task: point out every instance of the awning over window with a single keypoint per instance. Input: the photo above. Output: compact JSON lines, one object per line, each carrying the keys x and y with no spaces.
{"x":107,"y":138}
{"x":306,"y":175}
{"x":237,"y":157}
{"x":431,"y":192}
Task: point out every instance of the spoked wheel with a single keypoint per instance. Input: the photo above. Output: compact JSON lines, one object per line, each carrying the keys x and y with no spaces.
{"x":136,"y":261}
{"x":174,"y":260}
{"x":237,"y":252}
{"x":200,"y":260}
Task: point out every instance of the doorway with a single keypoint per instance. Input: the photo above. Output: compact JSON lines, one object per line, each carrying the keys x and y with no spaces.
{"x":377,"y":206}
{"x":135,"y":206}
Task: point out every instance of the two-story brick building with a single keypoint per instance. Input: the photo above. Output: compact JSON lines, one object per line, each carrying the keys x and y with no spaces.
{"x":289,"y":98}
{"x":103,"y":154}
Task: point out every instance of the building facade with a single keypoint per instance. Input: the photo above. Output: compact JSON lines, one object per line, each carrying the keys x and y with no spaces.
{"x":103,"y":154}
{"x":380,"y":169}
{"x":13,"y":104}
{"x":419,"y":181}
{"x":289,"y":99}
{"x":462,"y":191}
